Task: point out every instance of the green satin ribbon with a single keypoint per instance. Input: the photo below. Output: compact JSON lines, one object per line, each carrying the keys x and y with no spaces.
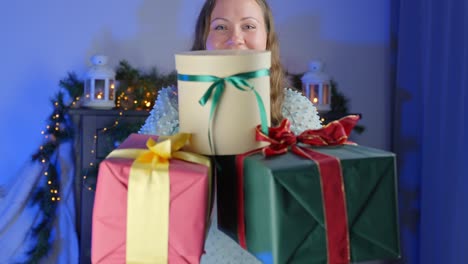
{"x":216,"y":90}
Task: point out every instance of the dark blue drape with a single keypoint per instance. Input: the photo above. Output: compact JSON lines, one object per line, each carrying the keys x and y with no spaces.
{"x":430,"y":122}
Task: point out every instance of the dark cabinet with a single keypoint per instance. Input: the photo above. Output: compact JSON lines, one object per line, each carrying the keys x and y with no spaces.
{"x":96,"y":134}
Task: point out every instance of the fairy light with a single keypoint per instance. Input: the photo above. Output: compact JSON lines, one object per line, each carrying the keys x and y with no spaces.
{"x":92,"y":165}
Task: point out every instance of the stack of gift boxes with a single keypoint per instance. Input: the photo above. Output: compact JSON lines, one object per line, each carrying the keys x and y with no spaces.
{"x":285,"y":198}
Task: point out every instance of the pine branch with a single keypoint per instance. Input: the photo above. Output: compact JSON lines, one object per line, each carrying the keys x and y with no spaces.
{"x":72,"y":85}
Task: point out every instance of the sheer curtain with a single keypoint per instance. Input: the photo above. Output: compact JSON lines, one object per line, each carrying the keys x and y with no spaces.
{"x":430,"y":139}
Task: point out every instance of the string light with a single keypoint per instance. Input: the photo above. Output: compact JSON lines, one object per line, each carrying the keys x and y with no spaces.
{"x":93,"y":166}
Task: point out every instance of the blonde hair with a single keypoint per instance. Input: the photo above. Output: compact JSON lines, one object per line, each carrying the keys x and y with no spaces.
{"x":277,"y":80}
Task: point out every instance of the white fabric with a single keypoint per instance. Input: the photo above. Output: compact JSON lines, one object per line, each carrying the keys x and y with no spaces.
{"x":164,"y":117}
{"x":18,"y":217}
{"x":164,"y":120}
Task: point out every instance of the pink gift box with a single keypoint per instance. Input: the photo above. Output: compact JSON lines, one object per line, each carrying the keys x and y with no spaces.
{"x":187,"y":214}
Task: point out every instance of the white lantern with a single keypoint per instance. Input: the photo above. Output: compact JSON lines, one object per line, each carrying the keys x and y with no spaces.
{"x":316,"y":86}
{"x":99,"y":88}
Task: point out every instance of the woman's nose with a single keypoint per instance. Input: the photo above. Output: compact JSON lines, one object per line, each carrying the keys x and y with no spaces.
{"x":235,"y":39}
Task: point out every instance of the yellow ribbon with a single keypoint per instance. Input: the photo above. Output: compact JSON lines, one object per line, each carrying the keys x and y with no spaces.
{"x":148,"y":196}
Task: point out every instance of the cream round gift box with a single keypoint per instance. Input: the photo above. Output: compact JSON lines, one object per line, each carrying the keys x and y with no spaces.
{"x":237,"y":112}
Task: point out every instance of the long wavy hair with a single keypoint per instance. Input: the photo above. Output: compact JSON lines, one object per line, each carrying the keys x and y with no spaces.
{"x":277,"y":79}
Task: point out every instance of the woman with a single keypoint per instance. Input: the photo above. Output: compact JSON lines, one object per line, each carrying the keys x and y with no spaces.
{"x":236,"y":24}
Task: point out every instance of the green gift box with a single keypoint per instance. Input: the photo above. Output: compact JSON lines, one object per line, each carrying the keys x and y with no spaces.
{"x":283,"y":211}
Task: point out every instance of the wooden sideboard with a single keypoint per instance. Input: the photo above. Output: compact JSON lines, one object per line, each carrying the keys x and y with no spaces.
{"x":92,"y":145}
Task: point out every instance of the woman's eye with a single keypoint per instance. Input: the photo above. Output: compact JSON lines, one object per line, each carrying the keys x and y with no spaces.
{"x":249,"y":27}
{"x":220,"y":27}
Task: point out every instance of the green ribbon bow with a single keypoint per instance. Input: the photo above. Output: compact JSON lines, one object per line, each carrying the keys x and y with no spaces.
{"x":240,"y":82}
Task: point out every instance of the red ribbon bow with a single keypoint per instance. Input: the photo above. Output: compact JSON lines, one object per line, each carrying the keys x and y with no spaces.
{"x":281,"y":138}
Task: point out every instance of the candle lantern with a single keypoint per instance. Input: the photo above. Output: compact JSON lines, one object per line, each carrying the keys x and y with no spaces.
{"x":316,"y":86}
{"x":99,"y":88}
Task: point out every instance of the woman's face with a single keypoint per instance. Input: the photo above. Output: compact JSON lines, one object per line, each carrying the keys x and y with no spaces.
{"x":237,"y":24}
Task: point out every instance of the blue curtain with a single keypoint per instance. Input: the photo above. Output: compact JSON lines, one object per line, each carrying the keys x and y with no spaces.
{"x":430,"y":121}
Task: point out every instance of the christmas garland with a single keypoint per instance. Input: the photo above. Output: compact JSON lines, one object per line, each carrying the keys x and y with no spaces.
{"x":59,"y":129}
{"x":137,"y":91}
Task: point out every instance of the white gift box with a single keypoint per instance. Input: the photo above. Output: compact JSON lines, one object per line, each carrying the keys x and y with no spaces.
{"x":237,"y":114}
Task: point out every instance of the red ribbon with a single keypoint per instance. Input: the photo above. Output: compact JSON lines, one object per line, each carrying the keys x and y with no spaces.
{"x":281,"y":139}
